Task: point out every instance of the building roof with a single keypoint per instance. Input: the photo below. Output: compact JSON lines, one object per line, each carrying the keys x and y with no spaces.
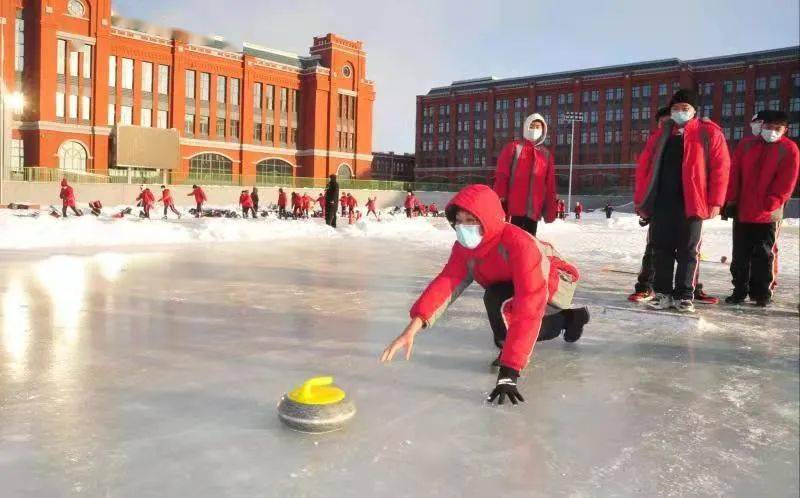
{"x":484,"y":83}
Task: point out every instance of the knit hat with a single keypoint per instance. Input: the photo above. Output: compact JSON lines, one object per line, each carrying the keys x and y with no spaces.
{"x":684,"y":96}
{"x":774,"y":117}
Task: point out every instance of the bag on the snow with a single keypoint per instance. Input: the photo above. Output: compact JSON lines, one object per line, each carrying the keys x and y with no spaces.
{"x":563,"y":278}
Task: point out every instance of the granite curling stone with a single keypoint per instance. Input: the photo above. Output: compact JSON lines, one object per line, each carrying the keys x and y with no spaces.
{"x":316,"y":406}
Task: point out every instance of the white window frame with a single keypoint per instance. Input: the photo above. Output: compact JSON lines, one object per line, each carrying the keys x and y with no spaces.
{"x":127,"y":74}
{"x":147,"y":77}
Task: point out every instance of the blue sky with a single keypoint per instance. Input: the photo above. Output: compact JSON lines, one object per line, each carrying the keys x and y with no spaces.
{"x":415,"y":45}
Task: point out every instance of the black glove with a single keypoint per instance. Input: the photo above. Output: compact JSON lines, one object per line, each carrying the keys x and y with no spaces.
{"x":506,"y":386}
{"x":729,"y":211}
{"x":643,"y":222}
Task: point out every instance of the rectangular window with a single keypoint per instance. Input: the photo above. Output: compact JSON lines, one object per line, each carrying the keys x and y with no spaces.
{"x":761,"y":83}
{"x":204,"y":126}
{"x":127,"y":74}
{"x":293,"y":136}
{"x":595,"y":95}
{"x":19,"y":42}
{"x":738,"y":132}
{"x":257,"y":129}
{"x":774,"y":105}
{"x":235,"y":92}
{"x":270,"y":97}
{"x":548,"y":100}
{"x":283,"y":135}
{"x":73,"y":64}
{"x":727,"y":109}
{"x":205,"y":87}
{"x":59,"y":105}
{"x":285,"y":102}
{"x":112,"y":70}
{"x":73,"y":107}
{"x":86,"y":107}
{"x":620,"y":93}
{"x":569,"y":99}
{"x":17,"y":156}
{"x":759,"y":106}
{"x":257,"y":96}
{"x":662,"y":89}
{"x":163,"y":80}
{"x":126,"y":115}
{"x":162,"y":119}
{"x":61,"y":64}
{"x":221,"y":127}
{"x":774,"y":82}
{"x":234,"y":128}
{"x":609,"y":114}
{"x":635,"y":92}
{"x":740,"y":86}
{"x":794,"y":104}
{"x":727,"y":86}
{"x":796,"y":79}
{"x":646,"y":91}
{"x":189,"y":88}
{"x":635,"y":114}
{"x":146,"y":117}
{"x":645,"y":113}
{"x":188,"y":125}
{"x":112,"y":115}
{"x":739,"y":109}
{"x":794,"y":130}
{"x":269,"y":136}
{"x":222,"y":89}
{"x":86,"y":52}
{"x":147,"y":77}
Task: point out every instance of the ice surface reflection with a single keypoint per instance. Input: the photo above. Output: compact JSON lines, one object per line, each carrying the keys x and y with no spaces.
{"x":16,"y":327}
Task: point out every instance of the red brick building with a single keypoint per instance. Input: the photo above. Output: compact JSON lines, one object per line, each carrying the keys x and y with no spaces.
{"x":254,"y":111}
{"x":393,"y":167}
{"x":461,"y":128}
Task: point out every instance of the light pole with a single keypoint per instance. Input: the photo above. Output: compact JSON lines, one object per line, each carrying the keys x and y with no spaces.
{"x":572,"y":117}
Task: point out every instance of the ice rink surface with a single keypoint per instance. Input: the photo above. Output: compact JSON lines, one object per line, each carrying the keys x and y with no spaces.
{"x":155,"y":370}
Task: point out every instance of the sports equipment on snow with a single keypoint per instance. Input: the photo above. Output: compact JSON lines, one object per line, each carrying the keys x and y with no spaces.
{"x":506,"y":386}
{"x":316,"y":406}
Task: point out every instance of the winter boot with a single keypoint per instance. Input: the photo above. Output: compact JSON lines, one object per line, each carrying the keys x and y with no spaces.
{"x":734,"y":299}
{"x":642,"y":297}
{"x":701,"y":297}
{"x":575,"y":320}
{"x":684,"y":306}
{"x":660,"y":302}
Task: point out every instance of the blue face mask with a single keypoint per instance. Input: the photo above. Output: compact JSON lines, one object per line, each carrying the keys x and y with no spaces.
{"x":468,"y":236}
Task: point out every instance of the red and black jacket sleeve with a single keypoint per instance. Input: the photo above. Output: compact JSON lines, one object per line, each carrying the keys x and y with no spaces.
{"x":444,"y":289}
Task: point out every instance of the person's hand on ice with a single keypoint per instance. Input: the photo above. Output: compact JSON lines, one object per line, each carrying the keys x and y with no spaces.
{"x":404,"y":340}
{"x":506,"y":386}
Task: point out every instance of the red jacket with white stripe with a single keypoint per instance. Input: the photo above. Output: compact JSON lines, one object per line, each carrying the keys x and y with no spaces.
{"x":706,"y":166}
{"x":506,"y":254}
{"x":529,"y":186}
{"x":763,"y":176}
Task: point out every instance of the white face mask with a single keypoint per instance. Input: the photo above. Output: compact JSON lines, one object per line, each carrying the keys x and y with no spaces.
{"x":468,"y":236}
{"x":681,"y":117}
{"x":756,"y":127}
{"x":770,"y":136}
{"x":533,"y":134}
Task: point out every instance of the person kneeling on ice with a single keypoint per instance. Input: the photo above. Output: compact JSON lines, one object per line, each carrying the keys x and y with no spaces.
{"x":528,"y":287}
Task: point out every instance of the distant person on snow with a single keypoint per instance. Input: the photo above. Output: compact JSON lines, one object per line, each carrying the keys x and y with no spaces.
{"x":764,"y":173}
{"x":254,"y":198}
{"x":578,"y":210}
{"x":246,"y":202}
{"x":331,"y":198}
{"x":296,"y":207}
{"x":281,"y":203}
{"x":67,"y":196}
{"x":409,"y":204}
{"x":166,"y":198}
{"x":371,"y":207}
{"x":305,"y":202}
{"x":608,"y":209}
{"x":525,"y":179}
{"x":528,"y":287}
{"x":343,"y":201}
{"x":351,"y":204}
{"x":562,"y":209}
{"x":433,"y":209}
{"x":146,"y":200}
{"x":199,"y":200}
{"x":321,"y":202}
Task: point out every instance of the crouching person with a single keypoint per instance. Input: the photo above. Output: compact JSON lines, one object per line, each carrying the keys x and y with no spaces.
{"x":528,"y":286}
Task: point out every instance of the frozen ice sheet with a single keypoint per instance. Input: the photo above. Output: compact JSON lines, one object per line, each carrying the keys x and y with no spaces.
{"x":156,"y":372}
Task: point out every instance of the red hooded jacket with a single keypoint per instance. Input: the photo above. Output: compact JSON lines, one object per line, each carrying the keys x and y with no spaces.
{"x":199,"y":195}
{"x":371,"y":204}
{"x":343,"y":201}
{"x":411,"y":201}
{"x":282,"y":199}
{"x":166,"y":197}
{"x":763,"y":176}
{"x":529,"y":186}
{"x":147,"y":197}
{"x":245,"y":200}
{"x":706,"y":165}
{"x":578,"y":208}
{"x":352,"y":202}
{"x":506,"y":254}
{"x":67,"y":195}
{"x":306,"y":201}
{"x":321,"y":201}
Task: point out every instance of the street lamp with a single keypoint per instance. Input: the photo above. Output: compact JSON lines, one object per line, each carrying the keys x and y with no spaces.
{"x":572,"y":117}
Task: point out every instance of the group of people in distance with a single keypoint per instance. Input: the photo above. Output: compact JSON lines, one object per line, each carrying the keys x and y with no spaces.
{"x":684,"y":176}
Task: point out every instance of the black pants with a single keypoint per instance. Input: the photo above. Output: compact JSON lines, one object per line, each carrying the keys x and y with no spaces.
{"x":64,"y":211}
{"x":553,"y":322}
{"x":198,"y":212}
{"x":282,"y":212}
{"x":675,"y":239}
{"x":255,"y":208}
{"x":644,"y":282}
{"x":344,"y":210}
{"x":408,"y":212}
{"x":246,"y":210}
{"x":330,"y":215}
{"x":170,"y":207}
{"x":753,"y":258}
{"x":525,"y":223}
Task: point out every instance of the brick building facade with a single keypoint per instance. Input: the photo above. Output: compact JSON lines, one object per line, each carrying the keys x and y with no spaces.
{"x":254,"y":111}
{"x":392,"y":166}
{"x":461,"y":128}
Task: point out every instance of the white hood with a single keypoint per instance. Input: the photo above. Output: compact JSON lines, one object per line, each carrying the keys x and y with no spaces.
{"x":530,"y":119}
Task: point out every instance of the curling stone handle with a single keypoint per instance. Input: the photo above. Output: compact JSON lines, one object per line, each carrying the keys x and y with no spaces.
{"x":316,"y":382}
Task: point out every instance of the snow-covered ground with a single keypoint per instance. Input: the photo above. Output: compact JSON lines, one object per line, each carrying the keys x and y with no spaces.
{"x":145,"y":358}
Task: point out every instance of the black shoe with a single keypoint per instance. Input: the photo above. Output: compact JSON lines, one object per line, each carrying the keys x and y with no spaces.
{"x":734,"y":299}
{"x":575,"y":320}
{"x":763,"y":302}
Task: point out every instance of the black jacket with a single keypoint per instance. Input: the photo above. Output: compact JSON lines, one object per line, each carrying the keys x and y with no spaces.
{"x":332,"y":193}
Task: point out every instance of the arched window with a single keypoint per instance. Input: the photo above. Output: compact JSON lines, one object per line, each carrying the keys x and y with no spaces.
{"x":273,"y":171}
{"x":72,"y":156}
{"x":210,"y":167}
{"x":344,"y":172}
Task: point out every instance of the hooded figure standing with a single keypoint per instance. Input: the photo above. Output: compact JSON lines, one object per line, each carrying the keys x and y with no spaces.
{"x":525,"y":282}
{"x":67,"y":196}
{"x":331,"y":198}
{"x":525,"y":179}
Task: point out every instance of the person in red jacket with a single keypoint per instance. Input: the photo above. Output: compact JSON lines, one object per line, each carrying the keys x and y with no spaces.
{"x":433,"y":209}
{"x":166,"y":198}
{"x":343,"y":201}
{"x":764,"y":171}
{"x":409,"y":203}
{"x":578,"y":210}
{"x":146,"y":199}
{"x":321,"y":202}
{"x":305,"y":205}
{"x":281,"y":203}
{"x":561,"y":208}
{"x":199,"y":199}
{"x":371,"y":207}
{"x":67,"y":196}
{"x":351,"y":204}
{"x":520,"y":275}
{"x":681,"y":179}
{"x":296,"y":207}
{"x":525,"y":178}
{"x":246,"y":201}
